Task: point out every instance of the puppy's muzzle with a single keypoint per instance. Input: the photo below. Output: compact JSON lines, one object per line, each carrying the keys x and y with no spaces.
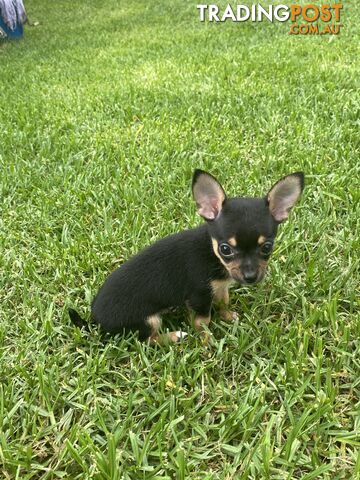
{"x":249,"y":277}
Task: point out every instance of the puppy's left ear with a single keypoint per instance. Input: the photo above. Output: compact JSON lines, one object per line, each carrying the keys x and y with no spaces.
{"x":208,"y":195}
{"x":284,"y":194}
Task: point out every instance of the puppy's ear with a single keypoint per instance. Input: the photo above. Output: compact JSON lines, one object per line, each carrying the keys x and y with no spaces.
{"x":284,"y":194}
{"x":208,"y":194}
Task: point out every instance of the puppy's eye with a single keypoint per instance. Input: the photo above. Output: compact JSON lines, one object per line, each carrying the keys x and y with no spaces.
{"x":266,"y":248}
{"x":225,"y":250}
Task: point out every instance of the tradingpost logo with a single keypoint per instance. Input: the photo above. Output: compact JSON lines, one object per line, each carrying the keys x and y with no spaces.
{"x":308,"y":19}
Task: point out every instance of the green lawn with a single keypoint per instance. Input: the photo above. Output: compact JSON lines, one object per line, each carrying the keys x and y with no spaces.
{"x":105,"y":110}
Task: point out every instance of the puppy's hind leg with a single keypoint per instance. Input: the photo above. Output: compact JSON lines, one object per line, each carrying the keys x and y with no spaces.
{"x":154,"y":322}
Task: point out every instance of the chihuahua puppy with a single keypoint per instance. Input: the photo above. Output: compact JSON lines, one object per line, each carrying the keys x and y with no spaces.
{"x":196,"y":267}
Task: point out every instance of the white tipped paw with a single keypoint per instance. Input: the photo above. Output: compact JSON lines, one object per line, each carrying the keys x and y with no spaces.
{"x":180,"y":335}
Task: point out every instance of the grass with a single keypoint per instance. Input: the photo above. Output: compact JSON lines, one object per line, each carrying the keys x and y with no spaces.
{"x":105,"y":111}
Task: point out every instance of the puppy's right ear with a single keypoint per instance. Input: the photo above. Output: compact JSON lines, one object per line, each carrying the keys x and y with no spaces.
{"x":208,"y":195}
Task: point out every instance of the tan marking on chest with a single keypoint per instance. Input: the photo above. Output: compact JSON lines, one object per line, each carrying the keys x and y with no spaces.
{"x":220,"y":289}
{"x":218,"y":286}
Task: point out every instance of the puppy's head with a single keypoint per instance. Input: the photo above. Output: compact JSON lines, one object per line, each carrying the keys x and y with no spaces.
{"x":243,"y":229}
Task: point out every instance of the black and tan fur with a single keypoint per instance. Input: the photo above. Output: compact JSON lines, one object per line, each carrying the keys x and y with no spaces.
{"x":195,"y":267}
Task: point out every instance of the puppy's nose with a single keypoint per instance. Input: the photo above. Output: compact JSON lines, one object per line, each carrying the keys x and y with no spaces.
{"x":250,"y":276}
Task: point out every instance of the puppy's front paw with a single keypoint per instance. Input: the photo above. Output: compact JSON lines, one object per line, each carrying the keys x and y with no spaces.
{"x":229,"y":315}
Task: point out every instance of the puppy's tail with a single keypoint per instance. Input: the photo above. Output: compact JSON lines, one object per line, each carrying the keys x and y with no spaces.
{"x":77,"y":320}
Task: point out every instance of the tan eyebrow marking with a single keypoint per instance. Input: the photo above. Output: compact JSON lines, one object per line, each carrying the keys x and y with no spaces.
{"x":261,"y":239}
{"x":232,"y":241}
